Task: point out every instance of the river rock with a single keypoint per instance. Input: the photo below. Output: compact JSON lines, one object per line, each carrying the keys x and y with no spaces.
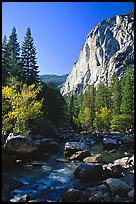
{"x":97,"y":197}
{"x":131,"y":194}
{"x":123,"y":161}
{"x":117,"y":186}
{"x":72,"y":195}
{"x":89,"y":172}
{"x":80,"y":155}
{"x":109,"y":143}
{"x":20,"y":144}
{"x":112,"y":170}
{"x":93,"y":159}
{"x":129,"y":179}
{"x":73,"y":147}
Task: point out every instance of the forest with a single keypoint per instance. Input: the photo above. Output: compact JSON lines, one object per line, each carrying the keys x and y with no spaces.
{"x":31,"y":106}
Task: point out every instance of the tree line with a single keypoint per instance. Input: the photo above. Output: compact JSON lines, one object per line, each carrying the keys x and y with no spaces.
{"x":105,"y":107}
{"x":28,"y":104}
{"x":31,"y":106}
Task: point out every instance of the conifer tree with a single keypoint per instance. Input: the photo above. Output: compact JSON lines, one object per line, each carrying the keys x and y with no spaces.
{"x":5,"y":61}
{"x":14,"y":55}
{"x":29,"y":61}
{"x":127,"y":103}
{"x":116,"y":96}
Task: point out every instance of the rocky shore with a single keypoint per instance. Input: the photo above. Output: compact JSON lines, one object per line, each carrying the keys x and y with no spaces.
{"x":93,"y":177}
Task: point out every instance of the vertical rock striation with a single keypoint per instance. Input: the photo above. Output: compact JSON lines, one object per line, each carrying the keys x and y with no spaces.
{"x":108,"y":48}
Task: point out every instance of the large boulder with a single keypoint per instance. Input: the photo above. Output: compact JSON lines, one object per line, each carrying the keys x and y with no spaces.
{"x":73,"y":147}
{"x":117,"y":186}
{"x":20,"y":144}
{"x":89,"y":172}
{"x":109,"y":143}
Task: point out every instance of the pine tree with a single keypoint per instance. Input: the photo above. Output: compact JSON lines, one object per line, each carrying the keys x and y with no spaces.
{"x":102,"y":98}
{"x":127,"y":103}
{"x":29,"y":61}
{"x":5,"y":61}
{"x":14,"y":55}
{"x":116,"y":96}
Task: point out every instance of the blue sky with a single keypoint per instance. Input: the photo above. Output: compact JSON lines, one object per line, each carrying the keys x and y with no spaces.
{"x":59,"y":29}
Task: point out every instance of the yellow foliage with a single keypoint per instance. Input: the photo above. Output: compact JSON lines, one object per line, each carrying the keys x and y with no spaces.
{"x":24,"y":107}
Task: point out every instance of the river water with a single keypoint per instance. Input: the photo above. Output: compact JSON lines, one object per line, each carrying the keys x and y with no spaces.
{"x":45,"y":179}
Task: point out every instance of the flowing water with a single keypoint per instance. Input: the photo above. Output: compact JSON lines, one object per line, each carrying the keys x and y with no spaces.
{"x":45,"y":179}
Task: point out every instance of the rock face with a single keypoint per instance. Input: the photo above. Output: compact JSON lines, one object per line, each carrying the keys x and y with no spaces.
{"x":108,"y":48}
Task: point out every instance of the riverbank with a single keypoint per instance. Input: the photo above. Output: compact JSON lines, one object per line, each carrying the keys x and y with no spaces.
{"x":48,"y":175}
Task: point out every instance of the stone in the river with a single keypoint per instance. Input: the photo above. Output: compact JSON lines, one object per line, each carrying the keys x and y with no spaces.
{"x":89,"y":172}
{"x":97,"y":197}
{"x":20,"y":144}
{"x":117,"y":186}
{"x":123,"y":161}
{"x":80,"y":155}
{"x":131,"y":194}
{"x":112,"y":170}
{"x":93,"y":159}
{"x":109,"y":143}
{"x":72,"y":195}
{"x":73,"y":147}
{"x":129,"y":179}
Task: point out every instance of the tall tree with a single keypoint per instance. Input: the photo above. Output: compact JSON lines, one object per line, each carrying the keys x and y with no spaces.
{"x":29,"y":60}
{"x":116,"y":96}
{"x":14,"y":55}
{"x":102,"y":98}
{"x":5,"y":61}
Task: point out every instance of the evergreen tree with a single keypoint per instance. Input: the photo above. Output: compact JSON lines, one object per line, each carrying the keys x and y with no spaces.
{"x":5,"y":61}
{"x":29,"y":61}
{"x":14,"y":53}
{"x":127,"y":103}
{"x":116,"y":96}
{"x":102,"y":98}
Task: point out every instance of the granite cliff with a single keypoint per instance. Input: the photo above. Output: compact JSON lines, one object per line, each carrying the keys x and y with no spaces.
{"x":108,"y":48}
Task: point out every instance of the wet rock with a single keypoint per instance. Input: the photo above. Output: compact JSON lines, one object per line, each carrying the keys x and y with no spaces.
{"x":72,"y":195}
{"x":20,"y":144}
{"x":93,"y":159}
{"x":80,"y":155}
{"x":112,"y":170}
{"x":131,"y":194}
{"x":129,"y":179}
{"x":73,"y":147}
{"x":117,"y":186}
{"x":109,"y":143}
{"x":89,"y":172}
{"x":103,"y":188}
{"x":106,"y":197}
{"x":97,"y":197}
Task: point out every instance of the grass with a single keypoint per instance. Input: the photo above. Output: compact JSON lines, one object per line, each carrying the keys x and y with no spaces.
{"x":106,"y":156}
